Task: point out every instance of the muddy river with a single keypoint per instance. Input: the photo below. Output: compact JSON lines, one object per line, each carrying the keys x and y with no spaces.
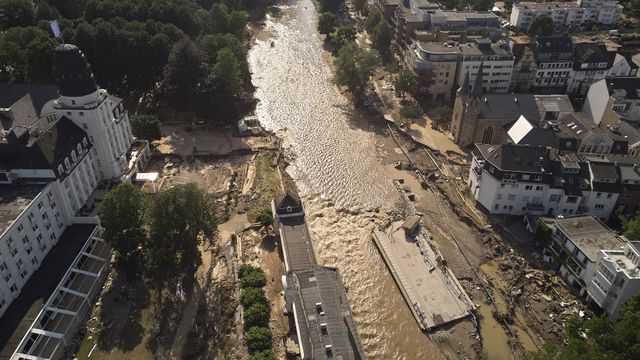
{"x":336,"y":163}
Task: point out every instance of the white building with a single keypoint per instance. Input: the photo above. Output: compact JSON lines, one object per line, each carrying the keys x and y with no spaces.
{"x":577,"y":242}
{"x":566,"y":14}
{"x":616,"y":278}
{"x":514,"y":179}
{"x":493,"y":59}
{"x":611,"y":99}
{"x":53,"y":152}
{"x":623,"y":65}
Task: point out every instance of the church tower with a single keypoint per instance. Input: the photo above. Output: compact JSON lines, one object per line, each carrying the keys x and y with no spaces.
{"x":101,"y":115}
{"x":466,"y":110}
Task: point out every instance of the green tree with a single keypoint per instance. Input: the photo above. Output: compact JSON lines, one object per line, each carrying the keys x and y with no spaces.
{"x":406,"y":82}
{"x":256,"y":315}
{"x":330,"y":5}
{"x":327,"y":23}
{"x":183,"y":74}
{"x":345,"y":34}
{"x":381,"y":36}
{"x":360,"y":6}
{"x":631,"y":228}
{"x":251,"y":277}
{"x":542,"y":25}
{"x":263,"y":355}
{"x":16,"y":13}
{"x":146,"y":127}
{"x":122,"y":216}
{"x":264,"y":217}
{"x":443,"y":113}
{"x":258,"y":339}
{"x":372,"y":20}
{"x":251,"y":296}
{"x":354,"y":67}
{"x":179,"y":218}
{"x":227,"y":72}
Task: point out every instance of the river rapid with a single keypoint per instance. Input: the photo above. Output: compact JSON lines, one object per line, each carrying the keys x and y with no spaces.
{"x":338,"y":168}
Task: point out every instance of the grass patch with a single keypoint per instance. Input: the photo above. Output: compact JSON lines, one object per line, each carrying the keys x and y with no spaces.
{"x":121,"y":329}
{"x":266,"y":184}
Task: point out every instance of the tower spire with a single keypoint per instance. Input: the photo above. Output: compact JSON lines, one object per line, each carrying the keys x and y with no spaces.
{"x":464,"y":89}
{"x":477,"y":91}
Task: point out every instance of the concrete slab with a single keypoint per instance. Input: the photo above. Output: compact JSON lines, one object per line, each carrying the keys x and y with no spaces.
{"x":432,"y":293}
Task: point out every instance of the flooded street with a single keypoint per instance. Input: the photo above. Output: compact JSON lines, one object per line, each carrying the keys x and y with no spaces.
{"x":337,"y":163}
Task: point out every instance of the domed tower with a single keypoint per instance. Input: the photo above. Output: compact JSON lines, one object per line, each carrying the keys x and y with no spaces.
{"x":72,"y":72}
{"x":101,"y":115}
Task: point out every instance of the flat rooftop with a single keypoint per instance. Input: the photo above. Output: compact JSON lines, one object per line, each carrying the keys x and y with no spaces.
{"x":13,"y":200}
{"x":548,"y":6}
{"x":589,"y":235}
{"x":321,"y":301}
{"x":23,"y":311}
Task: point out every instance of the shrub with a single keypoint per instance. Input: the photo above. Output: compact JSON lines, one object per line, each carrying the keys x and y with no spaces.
{"x":251,"y":276}
{"x":256,"y":315}
{"x":263,"y":355}
{"x":264,"y":217}
{"x":410,"y":111}
{"x":251,"y":296}
{"x":258,"y":339}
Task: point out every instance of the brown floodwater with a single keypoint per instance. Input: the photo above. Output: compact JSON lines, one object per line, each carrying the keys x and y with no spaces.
{"x":337,"y":167}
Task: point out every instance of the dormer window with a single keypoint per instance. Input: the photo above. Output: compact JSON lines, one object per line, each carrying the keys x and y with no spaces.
{"x":73,"y":156}
{"x":60,"y":169}
{"x":73,"y":102}
{"x":84,"y":142}
{"x":67,"y":164}
{"x":79,"y":148}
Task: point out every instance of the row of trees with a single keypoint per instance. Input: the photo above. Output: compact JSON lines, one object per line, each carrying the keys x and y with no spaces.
{"x":159,"y":235}
{"x":256,"y":312}
{"x":134,"y":46}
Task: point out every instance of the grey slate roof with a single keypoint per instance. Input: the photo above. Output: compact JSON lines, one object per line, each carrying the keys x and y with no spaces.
{"x":603,"y":170}
{"x":298,"y":248}
{"x":287,"y":203}
{"x":592,"y":53}
{"x":40,"y":94}
{"x":523,"y":158}
{"x":553,"y":44}
{"x":42,"y":151}
{"x":328,"y":325}
{"x":509,"y":106}
{"x":630,"y":84}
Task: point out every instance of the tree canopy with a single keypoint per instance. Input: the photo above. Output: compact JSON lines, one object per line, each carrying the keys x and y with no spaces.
{"x":327,"y":23}
{"x":122,"y":215}
{"x":179,"y":218}
{"x":145,"y":127}
{"x":406,"y":82}
{"x":354,"y":67}
{"x":128,"y":44}
{"x":631,"y":228}
{"x":542,"y":25}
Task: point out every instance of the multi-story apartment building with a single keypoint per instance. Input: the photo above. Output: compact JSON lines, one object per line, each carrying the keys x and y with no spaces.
{"x":591,"y":62}
{"x":54,"y":150}
{"x":575,"y":247}
{"x":616,"y":278}
{"x":424,"y":21}
{"x":554,"y":59}
{"x":523,"y":179}
{"x":435,"y":65}
{"x":493,"y":60}
{"x":566,"y":14}
{"x":614,"y":98}
{"x":623,"y":65}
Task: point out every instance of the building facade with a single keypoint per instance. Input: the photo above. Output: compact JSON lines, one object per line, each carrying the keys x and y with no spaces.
{"x":435,"y":65}
{"x":591,"y":62}
{"x":573,"y":15}
{"x":554,"y":59}
{"x":54,"y":150}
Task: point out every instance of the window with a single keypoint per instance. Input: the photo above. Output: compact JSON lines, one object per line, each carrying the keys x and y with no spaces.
{"x":598,"y":195}
{"x":60,"y":169}
{"x":13,"y":288}
{"x":554,"y":198}
{"x":528,"y":187}
{"x":84,"y":142}
{"x":501,"y":186}
{"x":20,"y":227}
{"x":539,"y":188}
{"x":538,"y":178}
{"x":526,"y":177}
{"x":599,"y":206}
{"x":511,"y":197}
{"x":496,"y":207}
{"x":499,"y":197}
{"x":81,"y":113}
{"x":609,"y":195}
